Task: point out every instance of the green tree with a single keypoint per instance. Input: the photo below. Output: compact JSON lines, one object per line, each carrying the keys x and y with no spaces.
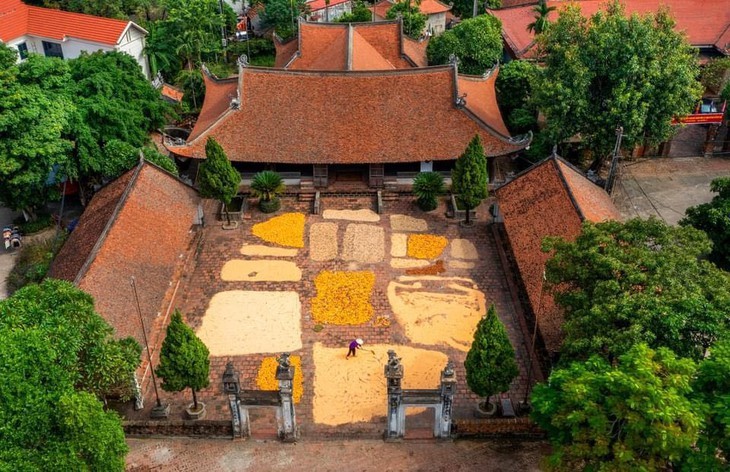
{"x":635,"y":415}
{"x":413,"y":20}
{"x":476,"y":43}
{"x":154,"y":156}
{"x":490,"y":363}
{"x":514,"y":91}
{"x":428,"y":186}
{"x":541,"y":23}
{"x":714,"y":219}
{"x":465,"y":8}
{"x":714,"y":74}
{"x":359,"y":14}
{"x":120,"y":9}
{"x":602,"y":72}
{"x":712,"y":388}
{"x":267,"y":185}
{"x":184,"y":359}
{"x":56,"y":356}
{"x":217,"y":178}
{"x":469,"y":177}
{"x":642,"y":281}
{"x":161,"y":49}
{"x":282,"y":16}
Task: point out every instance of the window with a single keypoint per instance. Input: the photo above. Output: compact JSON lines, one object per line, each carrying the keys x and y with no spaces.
{"x":23,"y":50}
{"x":52,"y":49}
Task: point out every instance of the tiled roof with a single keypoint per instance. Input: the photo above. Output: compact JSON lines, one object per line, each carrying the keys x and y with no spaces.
{"x":705,"y":22}
{"x":218,"y":96}
{"x":316,"y":5}
{"x":172,"y":93}
{"x":551,"y":198}
{"x":433,"y":7}
{"x":481,"y":99}
{"x":416,"y":50}
{"x":285,"y":51}
{"x":404,"y":115}
{"x":137,"y":226}
{"x":343,"y":46}
{"x":18,"y":19}
{"x":381,"y":8}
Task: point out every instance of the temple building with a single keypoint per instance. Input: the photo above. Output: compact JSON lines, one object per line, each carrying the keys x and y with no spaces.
{"x":349,"y":104}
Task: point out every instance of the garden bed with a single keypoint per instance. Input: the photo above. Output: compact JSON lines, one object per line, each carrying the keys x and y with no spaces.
{"x":238,"y":206}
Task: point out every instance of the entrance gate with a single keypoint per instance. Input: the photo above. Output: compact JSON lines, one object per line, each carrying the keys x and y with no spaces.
{"x":240,"y":401}
{"x":440,"y":399}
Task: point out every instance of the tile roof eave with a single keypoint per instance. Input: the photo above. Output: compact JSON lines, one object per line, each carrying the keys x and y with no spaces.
{"x":567,"y":187}
{"x":107,"y":228}
{"x":518,"y":143}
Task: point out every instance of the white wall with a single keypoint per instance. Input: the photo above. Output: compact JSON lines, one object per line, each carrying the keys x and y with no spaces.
{"x":335,"y":11}
{"x":133,"y":44}
{"x":237,"y":5}
{"x":436,"y":23}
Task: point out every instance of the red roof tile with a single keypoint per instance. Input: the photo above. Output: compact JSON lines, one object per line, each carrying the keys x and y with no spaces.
{"x":433,"y":7}
{"x":284,"y":51}
{"x":381,"y":9}
{"x":354,"y":46}
{"x":218,"y":96}
{"x":481,"y":99}
{"x":18,"y":19}
{"x":416,"y":50}
{"x":705,"y":23}
{"x":549,"y":199}
{"x":143,"y":237}
{"x":404,"y":115}
{"x":172,"y":93}
{"x":316,"y":5}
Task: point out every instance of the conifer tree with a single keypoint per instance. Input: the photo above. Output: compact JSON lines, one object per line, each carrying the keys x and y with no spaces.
{"x":184,"y":359}
{"x":470,"y":176}
{"x":217,"y":177}
{"x":490,"y":363}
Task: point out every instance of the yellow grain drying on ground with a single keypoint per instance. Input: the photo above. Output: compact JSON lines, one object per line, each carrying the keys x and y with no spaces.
{"x":284,"y":230}
{"x":266,"y":378}
{"x":343,"y":298}
{"x":426,"y":246}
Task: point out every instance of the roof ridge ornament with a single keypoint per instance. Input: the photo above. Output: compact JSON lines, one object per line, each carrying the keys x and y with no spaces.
{"x":242,"y":61}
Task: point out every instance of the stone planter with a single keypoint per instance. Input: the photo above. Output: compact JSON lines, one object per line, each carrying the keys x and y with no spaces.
{"x":235,"y":209}
{"x":454,"y":212}
{"x":485,"y":410}
{"x":271,"y":206}
{"x":193,"y":414}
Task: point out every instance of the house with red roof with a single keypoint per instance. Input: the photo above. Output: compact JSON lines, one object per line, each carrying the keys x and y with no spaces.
{"x":349,"y":103}
{"x":551,"y":198}
{"x":56,"y":33}
{"x":706,"y":24}
{"x":435,"y":11}
{"x":327,"y":11}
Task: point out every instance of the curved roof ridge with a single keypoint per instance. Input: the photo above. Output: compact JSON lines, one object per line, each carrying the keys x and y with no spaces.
{"x":411,"y":71}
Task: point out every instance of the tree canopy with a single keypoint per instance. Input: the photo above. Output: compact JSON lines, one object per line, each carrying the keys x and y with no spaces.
{"x":58,"y":356}
{"x":634,"y":415}
{"x":465,"y":8}
{"x":413,"y":20}
{"x":476,"y":43}
{"x":621,"y":284}
{"x":469,"y":177}
{"x":359,"y":14}
{"x":714,"y":219}
{"x":602,"y":72}
{"x":120,"y":9}
{"x":217,"y":178}
{"x":282,"y":15}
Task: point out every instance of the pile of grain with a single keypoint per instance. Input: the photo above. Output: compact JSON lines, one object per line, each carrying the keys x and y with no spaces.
{"x":407,"y":223}
{"x":363,"y":243}
{"x":323,"y":241}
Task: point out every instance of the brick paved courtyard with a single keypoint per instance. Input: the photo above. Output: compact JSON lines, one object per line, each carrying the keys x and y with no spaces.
{"x":204,"y":455}
{"x":203,"y":281}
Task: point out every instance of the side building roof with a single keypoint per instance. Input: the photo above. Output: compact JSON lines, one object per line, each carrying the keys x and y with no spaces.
{"x":320,"y":117}
{"x":137,"y":226}
{"x":706,"y":23}
{"x":551,"y":198}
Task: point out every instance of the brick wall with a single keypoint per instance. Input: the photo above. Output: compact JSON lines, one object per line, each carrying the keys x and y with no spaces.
{"x":197,"y":428}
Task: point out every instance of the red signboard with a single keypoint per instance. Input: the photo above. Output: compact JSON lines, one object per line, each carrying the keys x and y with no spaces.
{"x":700,"y":119}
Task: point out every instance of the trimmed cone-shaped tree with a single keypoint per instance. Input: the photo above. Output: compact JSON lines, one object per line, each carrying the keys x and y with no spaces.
{"x":490,"y":363}
{"x":184,"y":359}
{"x":470,"y":176}
{"x":217,"y":177}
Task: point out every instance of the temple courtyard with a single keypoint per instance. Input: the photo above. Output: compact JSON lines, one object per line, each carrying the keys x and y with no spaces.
{"x":405,"y":280}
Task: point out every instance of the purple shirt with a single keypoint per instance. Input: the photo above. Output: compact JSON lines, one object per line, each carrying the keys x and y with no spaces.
{"x":354,"y":345}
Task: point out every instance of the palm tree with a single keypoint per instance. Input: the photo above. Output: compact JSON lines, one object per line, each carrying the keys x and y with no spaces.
{"x":541,"y":23}
{"x":428,"y":186}
{"x":267,"y":185}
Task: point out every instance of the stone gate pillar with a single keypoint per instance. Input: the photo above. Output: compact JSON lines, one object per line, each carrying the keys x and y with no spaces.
{"x":239,"y":418}
{"x":396,"y":419}
{"x":285,"y":414}
{"x":448,"y":388}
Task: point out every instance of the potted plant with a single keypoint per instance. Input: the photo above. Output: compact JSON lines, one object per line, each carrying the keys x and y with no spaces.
{"x":267,"y":185}
{"x":217,"y":177}
{"x":490,"y":363}
{"x":184,"y":363}
{"x":427,"y":186}
{"x":470,"y":178}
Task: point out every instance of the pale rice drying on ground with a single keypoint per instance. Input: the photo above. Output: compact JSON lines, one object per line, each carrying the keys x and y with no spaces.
{"x":408,"y":263}
{"x":323,"y":241}
{"x":398,"y":244}
{"x":239,"y":270}
{"x":363,"y":243}
{"x":259,"y":250}
{"x":463,"y":249}
{"x":407,"y":223}
{"x":351,"y":215}
{"x":460,"y":265}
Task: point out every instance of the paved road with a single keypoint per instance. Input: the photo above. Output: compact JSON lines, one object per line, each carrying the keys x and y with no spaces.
{"x":7,"y":259}
{"x":666,"y":187}
{"x":208,"y":455}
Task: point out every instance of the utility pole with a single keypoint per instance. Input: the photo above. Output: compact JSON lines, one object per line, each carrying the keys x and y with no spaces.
{"x":476,"y":8}
{"x":611,"y":179}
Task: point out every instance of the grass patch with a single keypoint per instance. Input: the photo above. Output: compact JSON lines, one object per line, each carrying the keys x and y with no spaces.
{"x":33,"y":262}
{"x":262,"y":61}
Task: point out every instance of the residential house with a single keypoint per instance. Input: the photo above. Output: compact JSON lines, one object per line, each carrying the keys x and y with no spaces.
{"x":551,"y":198}
{"x":349,"y":106}
{"x":325,"y":11}
{"x":707,"y":24}
{"x":56,"y":33}
{"x":435,"y":10}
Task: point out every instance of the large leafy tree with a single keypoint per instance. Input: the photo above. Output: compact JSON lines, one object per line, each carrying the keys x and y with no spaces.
{"x":631,"y":415}
{"x":359,"y":14}
{"x":107,"y":8}
{"x":465,"y":8}
{"x":184,"y":359}
{"x":714,"y":219}
{"x":469,"y":177}
{"x":621,"y":284}
{"x":32,"y":123}
{"x":413,"y":20}
{"x":217,"y":178}
{"x":605,"y":72}
{"x":282,"y":15}
{"x":57,"y":357}
{"x":490,"y":363}
{"x":514,"y":91}
{"x":476,"y":43}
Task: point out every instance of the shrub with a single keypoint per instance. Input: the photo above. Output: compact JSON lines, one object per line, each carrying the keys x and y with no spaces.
{"x":33,"y":262}
{"x":267,"y":185}
{"x":42,"y":222}
{"x":428,"y":186}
